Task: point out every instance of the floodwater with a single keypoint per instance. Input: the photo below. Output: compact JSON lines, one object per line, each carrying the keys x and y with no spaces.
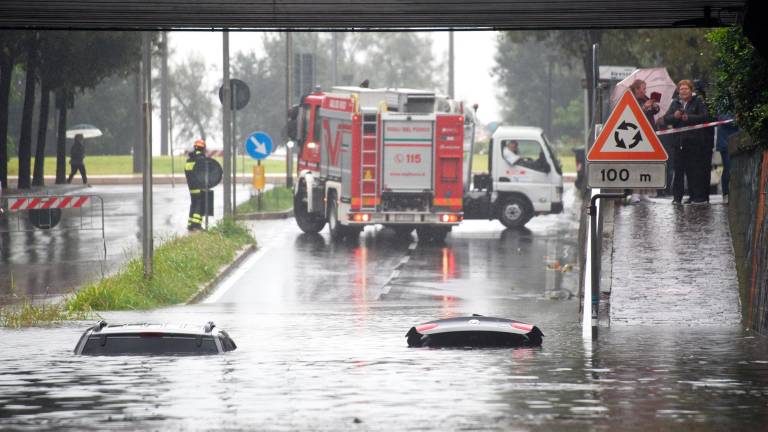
{"x":320,"y":328}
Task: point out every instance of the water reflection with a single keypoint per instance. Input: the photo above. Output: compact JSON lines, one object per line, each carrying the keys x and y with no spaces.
{"x":319,"y":348}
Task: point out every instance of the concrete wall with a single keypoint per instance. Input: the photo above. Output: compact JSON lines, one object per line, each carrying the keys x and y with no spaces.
{"x":748,"y":217}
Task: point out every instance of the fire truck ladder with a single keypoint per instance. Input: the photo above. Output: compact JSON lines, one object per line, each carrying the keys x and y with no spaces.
{"x":369,"y":184}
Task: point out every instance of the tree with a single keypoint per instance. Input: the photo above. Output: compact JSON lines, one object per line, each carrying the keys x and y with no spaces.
{"x":79,"y":60}
{"x":522,"y":57}
{"x":193,"y":112}
{"x":536,"y":82}
{"x":25,"y":140}
{"x":741,"y":82}
{"x":397,"y":59}
{"x":11,"y":44}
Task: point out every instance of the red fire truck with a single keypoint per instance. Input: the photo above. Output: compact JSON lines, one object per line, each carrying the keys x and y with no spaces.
{"x":377,"y":156}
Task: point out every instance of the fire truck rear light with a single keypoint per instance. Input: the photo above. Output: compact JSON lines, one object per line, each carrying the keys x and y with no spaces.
{"x":361,"y":217}
{"x":449,"y":218}
{"x":311,"y":145}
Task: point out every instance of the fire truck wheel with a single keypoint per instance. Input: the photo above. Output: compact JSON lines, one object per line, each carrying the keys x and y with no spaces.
{"x":309,"y":223}
{"x":432,"y":234}
{"x":515,"y":212}
{"x":339,"y":231}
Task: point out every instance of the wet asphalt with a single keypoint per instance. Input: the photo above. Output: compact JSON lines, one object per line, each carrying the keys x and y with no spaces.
{"x":320,"y":327}
{"x":39,"y":264}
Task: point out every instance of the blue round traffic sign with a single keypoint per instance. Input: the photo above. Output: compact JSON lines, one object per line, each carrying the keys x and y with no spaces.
{"x":258,"y":145}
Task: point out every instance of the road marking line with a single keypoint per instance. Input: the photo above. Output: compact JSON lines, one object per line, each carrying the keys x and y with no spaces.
{"x":396,"y":272}
{"x":229,"y":282}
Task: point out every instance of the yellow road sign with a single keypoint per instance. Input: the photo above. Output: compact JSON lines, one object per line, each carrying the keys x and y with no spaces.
{"x":258,"y":177}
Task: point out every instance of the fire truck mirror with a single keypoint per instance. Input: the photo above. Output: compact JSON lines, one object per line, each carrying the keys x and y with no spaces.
{"x":292,"y":125}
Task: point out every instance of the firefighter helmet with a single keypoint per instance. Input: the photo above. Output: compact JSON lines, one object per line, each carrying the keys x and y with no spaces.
{"x":199,"y":144}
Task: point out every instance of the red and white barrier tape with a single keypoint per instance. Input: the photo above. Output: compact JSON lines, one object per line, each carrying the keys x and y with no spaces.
{"x":698,"y":126}
{"x":215,"y":153}
{"x":37,"y":203}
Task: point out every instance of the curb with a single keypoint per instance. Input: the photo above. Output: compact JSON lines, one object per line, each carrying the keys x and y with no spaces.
{"x":223,"y":273}
{"x":265,"y":215}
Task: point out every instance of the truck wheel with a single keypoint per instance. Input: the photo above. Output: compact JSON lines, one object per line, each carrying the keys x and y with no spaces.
{"x":435,"y":234}
{"x":336,"y":229}
{"x":339,"y":231}
{"x":309,"y":223}
{"x":515,"y":212}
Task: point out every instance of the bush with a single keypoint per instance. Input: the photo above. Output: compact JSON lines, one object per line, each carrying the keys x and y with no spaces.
{"x":741,"y":82}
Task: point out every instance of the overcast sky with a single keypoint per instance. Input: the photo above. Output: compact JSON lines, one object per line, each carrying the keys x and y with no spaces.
{"x":474,"y":52}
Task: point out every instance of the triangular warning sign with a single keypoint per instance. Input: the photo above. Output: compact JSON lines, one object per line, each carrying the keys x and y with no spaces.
{"x":627,"y":136}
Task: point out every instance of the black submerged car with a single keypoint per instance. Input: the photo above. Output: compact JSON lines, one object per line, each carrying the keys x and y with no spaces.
{"x":474,"y":331}
{"x":154,"y":339}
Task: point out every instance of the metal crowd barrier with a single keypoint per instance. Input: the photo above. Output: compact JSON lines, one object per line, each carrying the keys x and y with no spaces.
{"x":51,"y":213}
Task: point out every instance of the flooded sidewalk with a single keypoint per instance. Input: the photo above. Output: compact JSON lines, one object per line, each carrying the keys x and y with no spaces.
{"x":672,"y":264}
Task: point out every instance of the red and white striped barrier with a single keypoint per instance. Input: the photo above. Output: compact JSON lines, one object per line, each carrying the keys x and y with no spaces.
{"x":215,"y":153}
{"x":694,"y":127}
{"x":46,"y":202}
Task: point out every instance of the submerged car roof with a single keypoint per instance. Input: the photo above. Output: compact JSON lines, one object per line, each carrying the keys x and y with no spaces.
{"x":157,"y":328}
{"x":520,"y":132}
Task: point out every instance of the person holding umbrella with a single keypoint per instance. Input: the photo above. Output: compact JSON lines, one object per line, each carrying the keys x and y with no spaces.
{"x":650,"y":108}
{"x":76,"y":159}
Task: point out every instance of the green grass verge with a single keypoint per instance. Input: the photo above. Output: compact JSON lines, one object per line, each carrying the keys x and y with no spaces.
{"x":274,"y":200}
{"x":161,"y":165}
{"x":181,"y":265}
{"x":28,"y":314}
{"x":123,"y":165}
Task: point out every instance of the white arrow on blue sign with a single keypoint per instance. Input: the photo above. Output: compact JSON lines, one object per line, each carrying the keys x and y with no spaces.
{"x":258,"y":145}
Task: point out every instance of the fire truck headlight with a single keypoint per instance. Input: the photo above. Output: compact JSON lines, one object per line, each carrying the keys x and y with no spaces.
{"x":312,"y":145}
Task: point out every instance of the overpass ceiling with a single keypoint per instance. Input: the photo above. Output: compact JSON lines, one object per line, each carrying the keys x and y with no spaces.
{"x":365,"y":14}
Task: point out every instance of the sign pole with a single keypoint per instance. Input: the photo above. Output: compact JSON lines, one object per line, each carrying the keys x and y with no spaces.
{"x":227,"y":125}
{"x":146,"y":90}
{"x":234,"y":150}
{"x":258,"y":194}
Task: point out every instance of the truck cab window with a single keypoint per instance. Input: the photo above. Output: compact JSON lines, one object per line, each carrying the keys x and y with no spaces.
{"x":525,"y":153}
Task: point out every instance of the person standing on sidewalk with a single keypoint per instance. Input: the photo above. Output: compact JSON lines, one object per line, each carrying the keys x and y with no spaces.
{"x":76,"y":159}
{"x":196,"y":206}
{"x":650,"y":108}
{"x":690,"y":151}
{"x":724,"y":132}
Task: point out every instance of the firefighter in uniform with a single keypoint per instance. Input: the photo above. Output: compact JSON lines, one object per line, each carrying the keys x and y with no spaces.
{"x":196,"y":190}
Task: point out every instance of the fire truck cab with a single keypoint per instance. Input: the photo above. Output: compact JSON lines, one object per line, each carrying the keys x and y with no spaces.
{"x":376,"y":156}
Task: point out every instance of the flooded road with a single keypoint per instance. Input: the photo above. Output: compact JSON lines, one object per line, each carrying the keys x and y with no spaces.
{"x":320,"y":328}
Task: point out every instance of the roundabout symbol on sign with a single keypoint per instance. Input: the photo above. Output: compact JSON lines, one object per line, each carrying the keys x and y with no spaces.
{"x":617,"y":136}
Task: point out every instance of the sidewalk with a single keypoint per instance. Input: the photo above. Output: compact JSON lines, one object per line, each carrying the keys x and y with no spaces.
{"x":672,"y":265}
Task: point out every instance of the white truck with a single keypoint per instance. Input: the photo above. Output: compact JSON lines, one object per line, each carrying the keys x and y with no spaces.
{"x":524,"y":177}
